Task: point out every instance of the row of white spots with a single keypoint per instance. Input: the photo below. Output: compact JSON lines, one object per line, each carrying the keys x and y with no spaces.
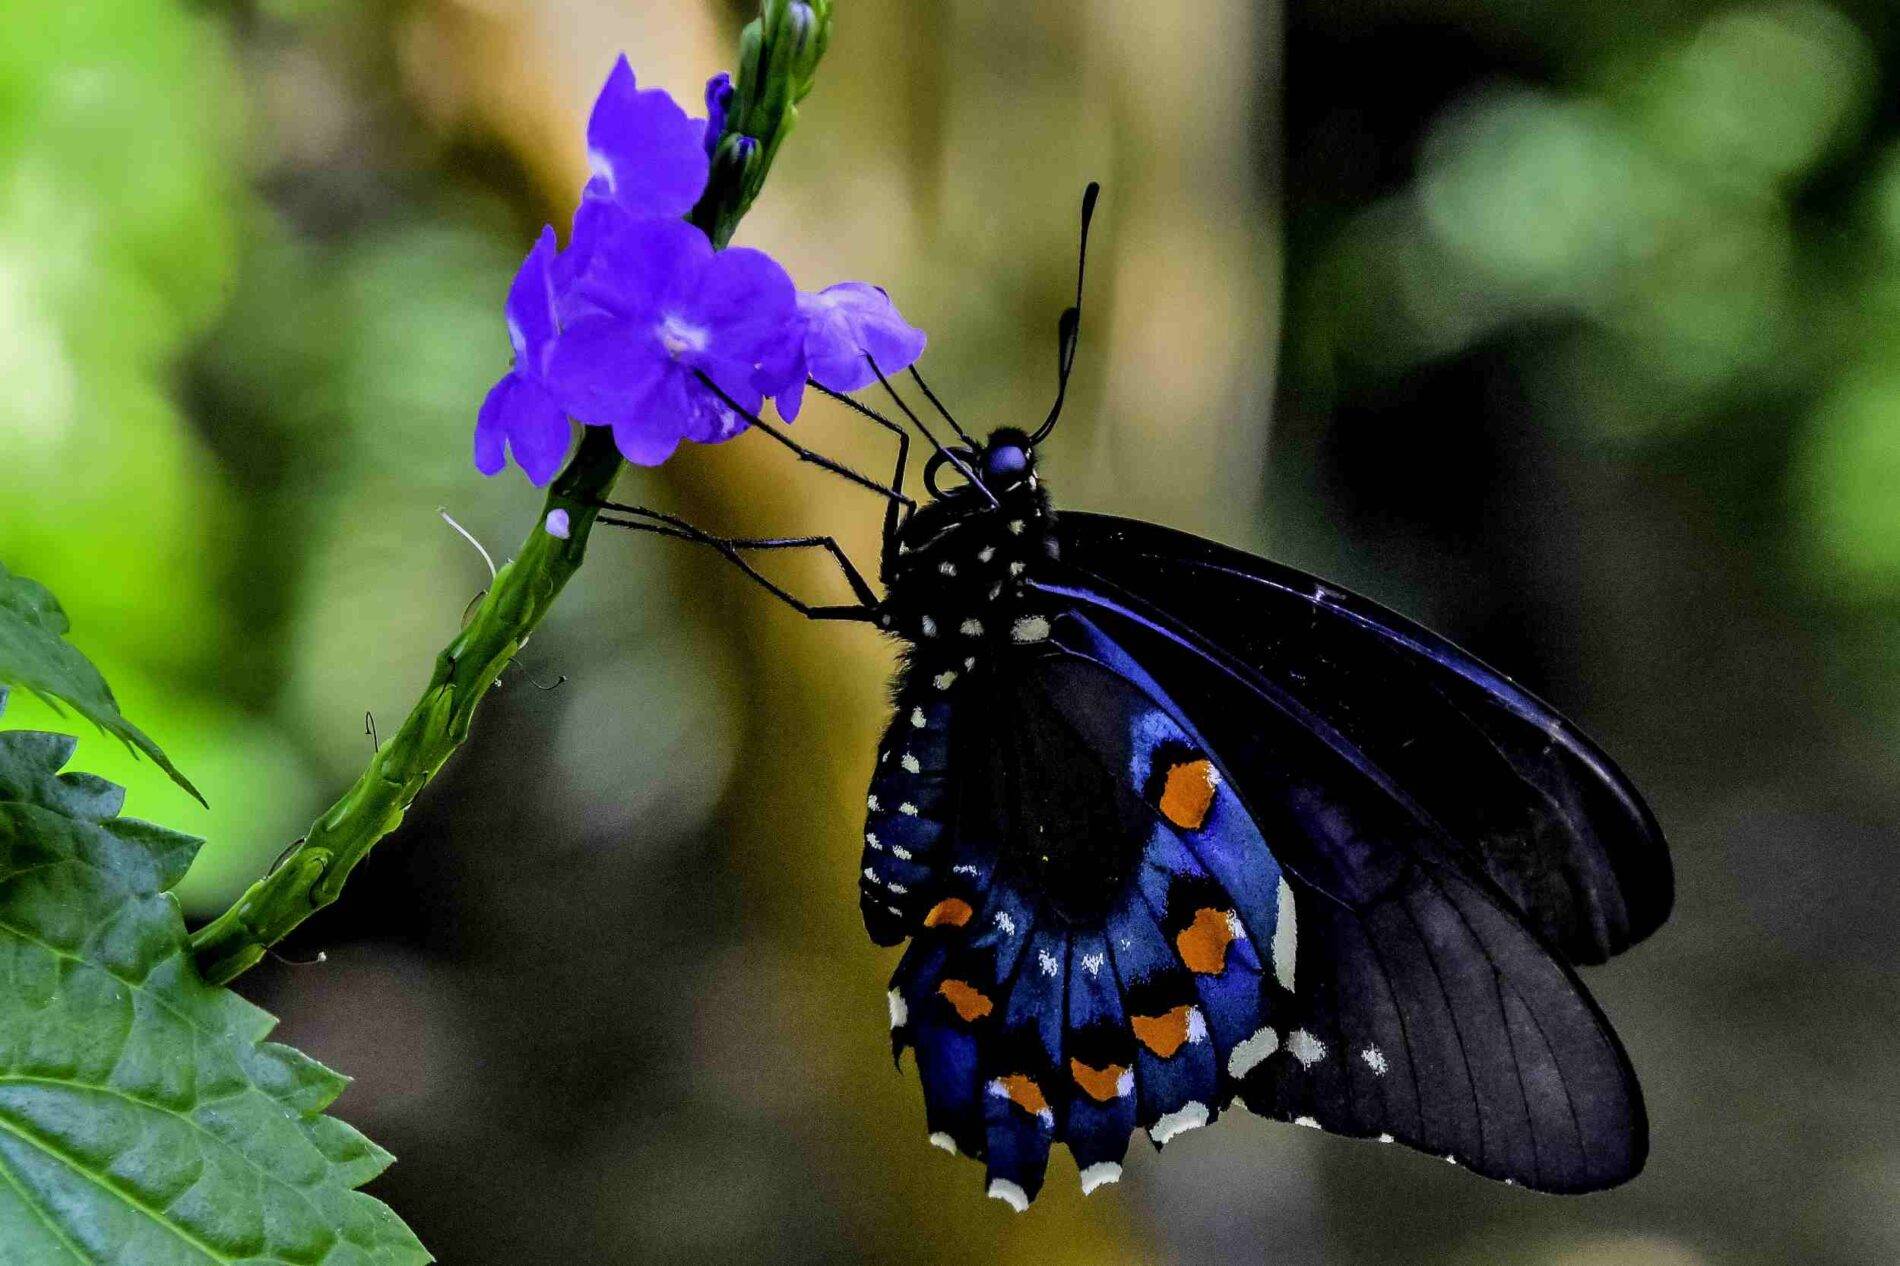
{"x":900,"y":1010}
{"x":1092,"y":963}
{"x":870,"y":839}
{"x":901,"y":853}
{"x":1031,"y":628}
{"x":1009,"y":1193}
{"x":1048,"y":962}
{"x":1247,"y":1055}
{"x":1100,"y":1174}
{"x":1304,"y":1047}
{"x":1286,"y":938}
{"x":964,"y":868}
{"x":1189,"y":1116}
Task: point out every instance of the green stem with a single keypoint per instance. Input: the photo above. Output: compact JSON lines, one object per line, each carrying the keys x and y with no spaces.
{"x":779,"y":52}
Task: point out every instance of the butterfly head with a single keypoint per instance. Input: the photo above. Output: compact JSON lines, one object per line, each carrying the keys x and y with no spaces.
{"x":1008,"y":459}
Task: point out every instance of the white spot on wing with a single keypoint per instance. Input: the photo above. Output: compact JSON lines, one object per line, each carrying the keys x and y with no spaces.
{"x":1235,"y":928}
{"x":1100,"y":1174}
{"x":908,"y":809}
{"x":947,"y":568}
{"x":910,"y":764}
{"x":985,"y":554}
{"x":917,"y":718}
{"x":1196,"y":1026}
{"x":1092,"y":963}
{"x":1385,"y":1138}
{"x":971,"y":628}
{"x":942,"y":680}
{"x":1308,"y":1122}
{"x":900,"y":1010}
{"x":1304,"y":1047}
{"x":1048,"y":963}
{"x":870,"y":802}
{"x":948,"y":1144}
{"x":964,"y":868}
{"x":901,"y":853}
{"x":929,"y":627}
{"x":1286,"y":938}
{"x":1248,"y":1054}
{"x":1004,"y":922}
{"x":1190,"y":1116}
{"x":1016,"y":569}
{"x":1375,"y":1060}
{"x":870,"y":839}
{"x":1015,"y":527}
{"x":898,"y":889}
{"x":1031,"y":628}
{"x":1009,"y":1193}
{"x":871,"y":876}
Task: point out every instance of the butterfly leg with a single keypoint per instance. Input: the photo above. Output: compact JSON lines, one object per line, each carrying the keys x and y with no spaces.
{"x":894,"y":512}
{"x":732,"y":549}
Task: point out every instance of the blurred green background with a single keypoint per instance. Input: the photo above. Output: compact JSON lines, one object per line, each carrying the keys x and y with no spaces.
{"x":1571,"y":329}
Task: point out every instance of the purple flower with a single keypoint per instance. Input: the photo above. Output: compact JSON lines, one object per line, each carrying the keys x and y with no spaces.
{"x":646,"y":155}
{"x":842,"y":325}
{"x":519,"y":412}
{"x":652,"y":308}
{"x":718,"y":101}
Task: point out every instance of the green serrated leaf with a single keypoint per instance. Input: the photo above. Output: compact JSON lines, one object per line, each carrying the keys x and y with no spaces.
{"x":144,"y":1121}
{"x":34,"y":653}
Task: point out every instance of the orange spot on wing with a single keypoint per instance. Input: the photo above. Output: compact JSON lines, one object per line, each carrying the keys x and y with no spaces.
{"x":967,"y":999}
{"x":950,"y":912}
{"x":1188,"y":793}
{"x":1203,"y":943}
{"x":1101,"y":1084}
{"x":1163,"y":1034}
{"x":1023,"y":1091}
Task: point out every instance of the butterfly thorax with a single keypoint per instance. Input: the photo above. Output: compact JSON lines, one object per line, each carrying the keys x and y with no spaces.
{"x":957,"y":583}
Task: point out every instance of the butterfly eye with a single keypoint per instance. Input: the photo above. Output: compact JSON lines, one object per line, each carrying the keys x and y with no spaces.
{"x":1004,"y":460}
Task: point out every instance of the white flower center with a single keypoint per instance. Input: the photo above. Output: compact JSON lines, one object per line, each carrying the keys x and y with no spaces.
{"x":678,"y":335}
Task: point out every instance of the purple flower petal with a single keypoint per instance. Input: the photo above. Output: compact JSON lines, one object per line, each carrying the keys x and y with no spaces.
{"x":749,"y":303}
{"x":604,"y":369}
{"x":633,"y":267}
{"x":645,"y":443}
{"x":843,"y":324}
{"x":645,"y":153}
{"x":530,"y":308}
{"x":521,"y":413}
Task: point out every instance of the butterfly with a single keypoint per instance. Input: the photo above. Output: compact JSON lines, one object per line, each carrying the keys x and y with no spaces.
{"x":1165,"y":826}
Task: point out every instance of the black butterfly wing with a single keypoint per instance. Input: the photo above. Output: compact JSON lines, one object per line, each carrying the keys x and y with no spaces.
{"x":1516,"y":788}
{"x":1418,"y":1006}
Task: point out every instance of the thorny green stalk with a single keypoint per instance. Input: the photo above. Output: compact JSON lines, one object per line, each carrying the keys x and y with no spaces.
{"x":779,"y":53}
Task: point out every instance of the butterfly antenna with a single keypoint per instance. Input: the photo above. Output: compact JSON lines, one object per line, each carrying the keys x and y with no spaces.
{"x":938,"y":406}
{"x":1069,"y":327}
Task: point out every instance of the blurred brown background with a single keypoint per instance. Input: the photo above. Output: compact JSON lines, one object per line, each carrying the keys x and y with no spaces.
{"x":1569,"y":329}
